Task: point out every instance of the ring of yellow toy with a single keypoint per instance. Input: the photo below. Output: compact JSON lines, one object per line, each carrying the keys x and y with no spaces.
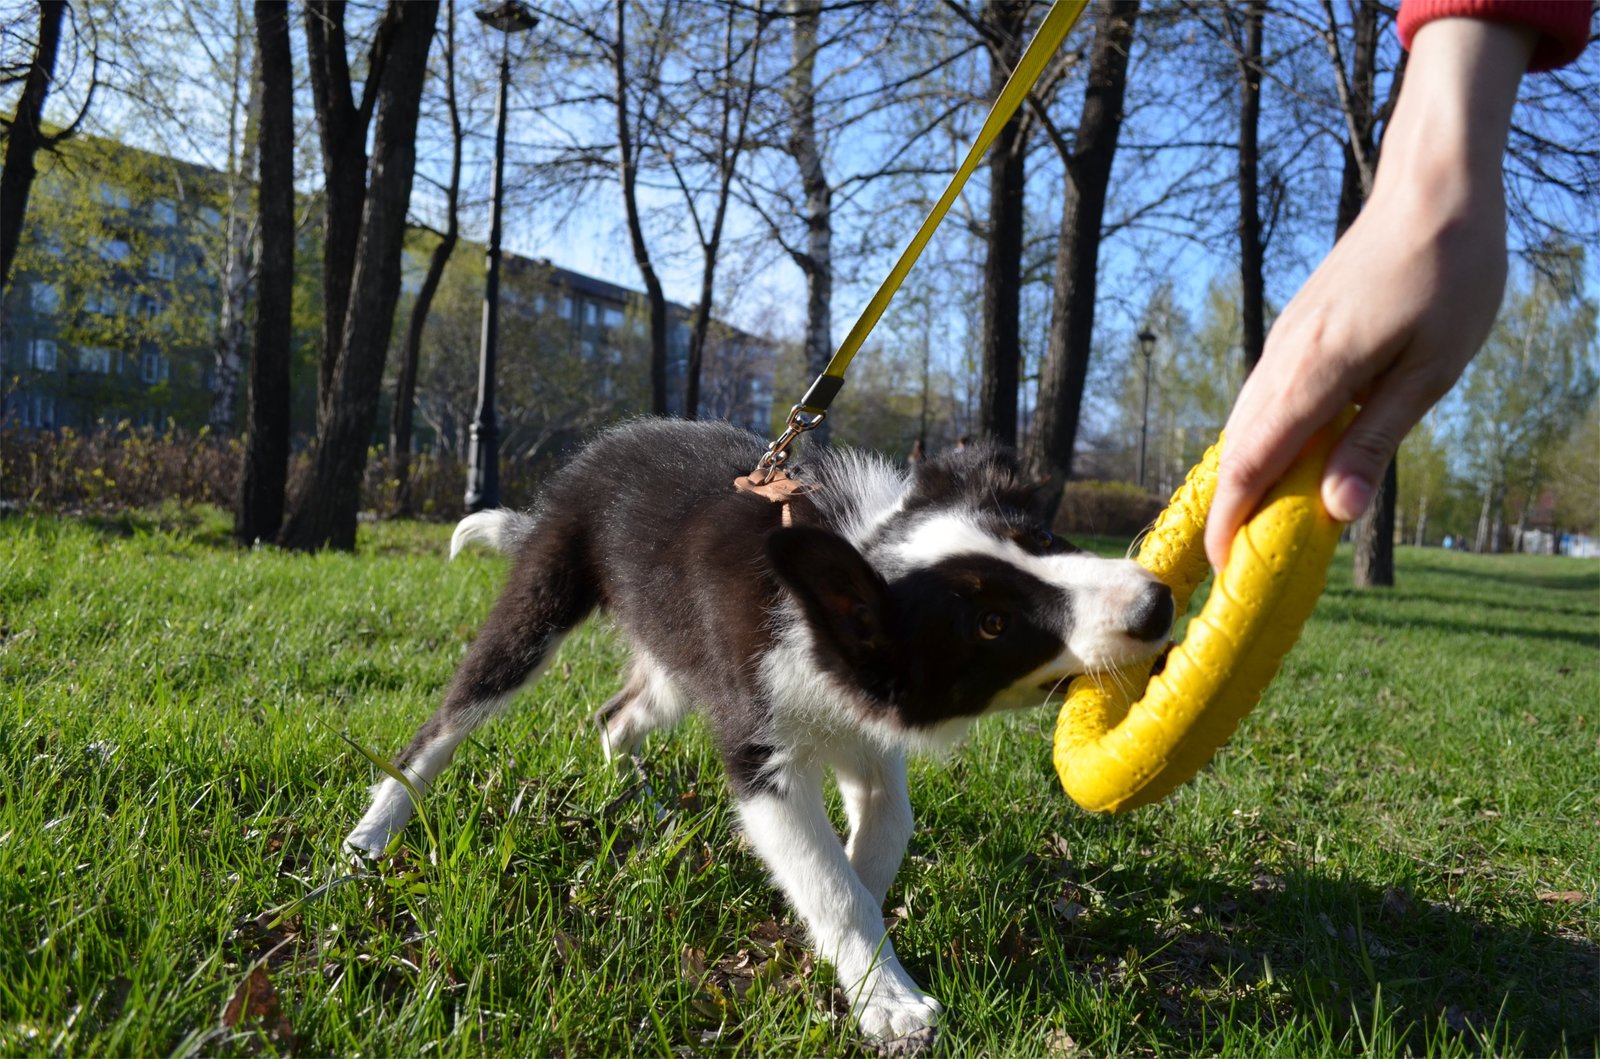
{"x":1113,"y":754}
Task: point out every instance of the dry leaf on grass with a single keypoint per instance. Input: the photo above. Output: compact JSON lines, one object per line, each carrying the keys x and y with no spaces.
{"x":917,"y":1042}
{"x":1059,"y":1043}
{"x":1397,"y":904}
{"x":1562,"y":897}
{"x":257,"y":1002}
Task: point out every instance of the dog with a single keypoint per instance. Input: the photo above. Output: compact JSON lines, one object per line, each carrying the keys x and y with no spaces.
{"x":876,"y":612}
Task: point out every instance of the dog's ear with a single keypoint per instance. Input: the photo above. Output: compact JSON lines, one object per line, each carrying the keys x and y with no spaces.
{"x":844,"y":598}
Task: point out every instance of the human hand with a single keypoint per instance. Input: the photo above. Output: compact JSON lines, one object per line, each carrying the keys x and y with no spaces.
{"x":1392,"y":316}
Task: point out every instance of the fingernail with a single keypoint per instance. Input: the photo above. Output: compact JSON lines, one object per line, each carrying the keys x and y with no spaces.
{"x":1346,"y":497}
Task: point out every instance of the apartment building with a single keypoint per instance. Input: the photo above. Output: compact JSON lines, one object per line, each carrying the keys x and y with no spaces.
{"x":114,"y":301}
{"x":114,"y":315}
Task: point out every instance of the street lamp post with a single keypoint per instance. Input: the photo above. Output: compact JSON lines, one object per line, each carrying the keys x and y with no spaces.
{"x":483,"y":452}
{"x":1147,"y":346}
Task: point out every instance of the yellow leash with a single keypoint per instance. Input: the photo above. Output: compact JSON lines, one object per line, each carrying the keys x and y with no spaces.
{"x":813,"y":407}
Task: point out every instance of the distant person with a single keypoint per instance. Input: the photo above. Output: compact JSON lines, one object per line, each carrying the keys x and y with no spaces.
{"x":1391,"y":317}
{"x":1449,"y":542}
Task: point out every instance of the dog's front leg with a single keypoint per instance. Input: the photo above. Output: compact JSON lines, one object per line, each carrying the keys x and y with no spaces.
{"x":788,"y":825}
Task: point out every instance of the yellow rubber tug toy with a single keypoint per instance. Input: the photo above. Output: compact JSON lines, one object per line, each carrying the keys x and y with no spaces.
{"x":1113,"y":755}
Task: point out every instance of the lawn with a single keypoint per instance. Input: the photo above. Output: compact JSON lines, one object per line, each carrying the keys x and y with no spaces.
{"x":1397,"y":854}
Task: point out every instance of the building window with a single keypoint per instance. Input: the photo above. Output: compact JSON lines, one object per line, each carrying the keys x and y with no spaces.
{"x":39,"y":412}
{"x":102,"y":302}
{"x":569,"y":308}
{"x":164,"y":211}
{"x":114,"y":250}
{"x":94,"y":359}
{"x":591,"y":314}
{"x":211,"y":217}
{"x":613,"y":317}
{"x":51,"y":185}
{"x":146,"y":306}
{"x":44,"y":297}
{"x":112,"y":195}
{"x":42,"y":354}
{"x":153,"y":368}
{"x":162,"y":265}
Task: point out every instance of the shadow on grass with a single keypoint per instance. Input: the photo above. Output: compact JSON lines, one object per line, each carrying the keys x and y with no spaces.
{"x":1369,"y":617}
{"x":1585,"y":578}
{"x":1370,"y":966}
{"x":1490,"y":599}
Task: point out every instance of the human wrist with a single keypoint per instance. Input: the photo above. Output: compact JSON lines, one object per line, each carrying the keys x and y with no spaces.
{"x":1448,"y":133}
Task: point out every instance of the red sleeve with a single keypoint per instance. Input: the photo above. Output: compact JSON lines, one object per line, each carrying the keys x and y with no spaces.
{"x":1563,"y":25}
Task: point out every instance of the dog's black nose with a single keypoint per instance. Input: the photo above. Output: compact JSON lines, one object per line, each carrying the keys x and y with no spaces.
{"x":1150,"y":617}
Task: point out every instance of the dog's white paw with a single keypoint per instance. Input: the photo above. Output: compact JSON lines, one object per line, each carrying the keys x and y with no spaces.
{"x":363,"y":843}
{"x":911,"y":1017}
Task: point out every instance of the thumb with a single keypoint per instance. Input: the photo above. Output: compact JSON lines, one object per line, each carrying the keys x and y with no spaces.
{"x":1359,"y":460}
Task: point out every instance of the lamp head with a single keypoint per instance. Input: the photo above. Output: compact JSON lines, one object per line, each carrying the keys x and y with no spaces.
{"x":1147,"y":341}
{"x":508,"y":17}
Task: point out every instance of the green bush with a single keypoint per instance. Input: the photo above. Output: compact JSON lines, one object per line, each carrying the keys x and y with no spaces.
{"x":116,"y":467}
{"x":1106,"y":508}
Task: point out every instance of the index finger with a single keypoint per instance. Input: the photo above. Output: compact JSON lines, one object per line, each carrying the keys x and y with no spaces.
{"x":1273,"y":419}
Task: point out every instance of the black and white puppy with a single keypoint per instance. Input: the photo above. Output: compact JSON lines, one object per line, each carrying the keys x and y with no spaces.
{"x":896,"y":609}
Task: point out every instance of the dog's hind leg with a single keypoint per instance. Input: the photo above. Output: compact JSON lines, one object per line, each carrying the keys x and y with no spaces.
{"x":547,"y":594}
{"x":877,"y":803}
{"x":649,"y":700}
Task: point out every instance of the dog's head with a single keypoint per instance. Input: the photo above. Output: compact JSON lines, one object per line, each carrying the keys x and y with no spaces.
{"x":963,"y":602}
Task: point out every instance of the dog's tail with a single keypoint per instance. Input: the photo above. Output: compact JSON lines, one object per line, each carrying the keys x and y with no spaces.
{"x":501,"y":529}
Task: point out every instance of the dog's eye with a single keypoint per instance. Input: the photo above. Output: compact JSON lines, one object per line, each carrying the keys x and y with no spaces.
{"x":991,"y":625}
{"x":1045,"y":540}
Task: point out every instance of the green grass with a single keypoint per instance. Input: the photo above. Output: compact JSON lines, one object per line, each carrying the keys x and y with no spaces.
{"x":1383,"y":861}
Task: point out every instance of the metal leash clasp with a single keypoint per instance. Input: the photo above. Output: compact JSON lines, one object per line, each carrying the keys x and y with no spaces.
{"x":778,"y":452}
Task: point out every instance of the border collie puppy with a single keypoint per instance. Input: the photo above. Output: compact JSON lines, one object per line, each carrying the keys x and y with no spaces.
{"x":883,"y":614}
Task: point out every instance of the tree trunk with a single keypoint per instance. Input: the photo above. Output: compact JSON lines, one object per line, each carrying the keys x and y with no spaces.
{"x":237,"y":269}
{"x":1360,"y":150}
{"x":730,"y":144}
{"x":266,"y":451}
{"x":1374,"y":551}
{"x":1000,"y":346}
{"x":1252,"y":264}
{"x":1066,"y":366}
{"x":1374,"y":531}
{"x":324,"y":510}
{"x":405,"y":388}
{"x":1480,"y":541}
{"x":628,"y":163}
{"x":342,"y":126}
{"x":816,"y":261}
{"x":25,"y":135}
{"x":403,"y":416}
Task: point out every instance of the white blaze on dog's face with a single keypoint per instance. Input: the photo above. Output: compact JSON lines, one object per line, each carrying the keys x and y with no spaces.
{"x":1020,"y":620}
